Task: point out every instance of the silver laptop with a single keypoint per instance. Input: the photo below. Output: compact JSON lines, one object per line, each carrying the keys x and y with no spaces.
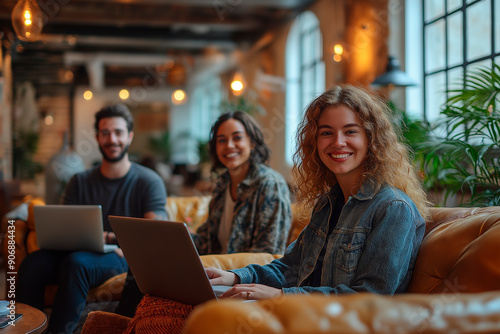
{"x":70,"y":227}
{"x":164,"y":260}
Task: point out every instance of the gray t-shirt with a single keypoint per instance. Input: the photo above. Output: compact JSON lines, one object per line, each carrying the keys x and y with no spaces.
{"x":141,"y":190}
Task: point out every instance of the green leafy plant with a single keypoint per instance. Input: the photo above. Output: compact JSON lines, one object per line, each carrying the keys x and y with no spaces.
{"x":204,"y":151}
{"x":242,"y":103}
{"x":465,"y":160}
{"x":25,"y":146}
{"x":161,"y":146}
{"x":413,"y":131}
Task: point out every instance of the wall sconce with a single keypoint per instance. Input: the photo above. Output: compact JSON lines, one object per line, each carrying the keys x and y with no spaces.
{"x":238,"y":84}
{"x":393,"y":76}
{"x":179,"y":97}
{"x":338,"y":51}
{"x":27,"y":20}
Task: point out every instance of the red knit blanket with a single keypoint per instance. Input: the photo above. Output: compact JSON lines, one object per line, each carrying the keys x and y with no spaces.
{"x":158,"y":315}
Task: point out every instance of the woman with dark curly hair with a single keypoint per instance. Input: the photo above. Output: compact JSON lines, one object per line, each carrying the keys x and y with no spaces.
{"x":368,"y":205}
{"x":250,"y":208}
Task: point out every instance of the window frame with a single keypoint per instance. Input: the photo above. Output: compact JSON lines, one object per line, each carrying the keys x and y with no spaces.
{"x":466,"y":64}
{"x":306,"y":28}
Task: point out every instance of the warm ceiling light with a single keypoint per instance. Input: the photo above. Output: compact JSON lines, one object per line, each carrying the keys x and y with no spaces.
{"x":393,"y":76}
{"x":124,"y":94}
{"x":178,"y":96}
{"x":338,"y":50}
{"x":49,"y":119}
{"x":68,"y":75}
{"x":71,"y":40}
{"x":238,"y":84}
{"x":88,"y":95}
{"x":27,"y":20}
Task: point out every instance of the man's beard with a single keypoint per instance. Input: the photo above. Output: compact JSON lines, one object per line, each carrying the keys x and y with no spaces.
{"x":118,"y":158}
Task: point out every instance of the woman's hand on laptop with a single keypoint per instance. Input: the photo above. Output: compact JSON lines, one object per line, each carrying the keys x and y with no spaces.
{"x":221,"y":277}
{"x":251,"y":292}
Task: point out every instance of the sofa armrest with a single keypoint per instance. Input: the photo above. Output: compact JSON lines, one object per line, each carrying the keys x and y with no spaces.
{"x":99,"y":322}
{"x":356,"y":313}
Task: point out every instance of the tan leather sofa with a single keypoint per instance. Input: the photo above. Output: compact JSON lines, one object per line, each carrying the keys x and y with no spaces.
{"x":455,"y":289}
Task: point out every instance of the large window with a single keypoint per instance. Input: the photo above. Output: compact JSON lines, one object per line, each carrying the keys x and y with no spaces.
{"x":305,"y":73}
{"x":458,"y":35}
{"x":206,"y":108}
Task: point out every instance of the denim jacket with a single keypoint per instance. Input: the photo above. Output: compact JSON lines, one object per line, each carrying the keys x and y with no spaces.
{"x":262,"y":214}
{"x":373,"y":247}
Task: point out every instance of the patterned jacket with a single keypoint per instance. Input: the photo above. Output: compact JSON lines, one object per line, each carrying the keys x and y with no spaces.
{"x":262,"y":214}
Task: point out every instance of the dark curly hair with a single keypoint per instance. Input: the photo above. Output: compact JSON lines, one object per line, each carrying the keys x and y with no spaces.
{"x":260,"y":153}
{"x":116,"y":110}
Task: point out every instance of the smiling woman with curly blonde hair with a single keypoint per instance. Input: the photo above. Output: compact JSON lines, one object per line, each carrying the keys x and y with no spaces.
{"x":387,"y":161}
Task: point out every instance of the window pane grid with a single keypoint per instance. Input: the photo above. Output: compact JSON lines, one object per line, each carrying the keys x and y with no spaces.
{"x":311,"y":51}
{"x":458,"y":40}
{"x":206,"y":101}
{"x":304,"y":72}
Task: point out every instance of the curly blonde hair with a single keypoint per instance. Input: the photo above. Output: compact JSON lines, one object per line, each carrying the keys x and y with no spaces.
{"x":387,"y":160}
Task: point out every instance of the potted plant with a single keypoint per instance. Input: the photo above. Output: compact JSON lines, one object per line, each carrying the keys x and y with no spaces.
{"x":464,"y":160}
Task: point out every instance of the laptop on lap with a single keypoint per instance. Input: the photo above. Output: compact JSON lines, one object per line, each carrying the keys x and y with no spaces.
{"x":70,"y":227}
{"x":164,"y":259}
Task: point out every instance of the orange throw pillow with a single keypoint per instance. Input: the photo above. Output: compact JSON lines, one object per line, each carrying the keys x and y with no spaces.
{"x":158,"y":315}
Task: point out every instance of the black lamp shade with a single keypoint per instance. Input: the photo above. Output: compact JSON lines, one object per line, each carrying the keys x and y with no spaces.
{"x":394,"y":76}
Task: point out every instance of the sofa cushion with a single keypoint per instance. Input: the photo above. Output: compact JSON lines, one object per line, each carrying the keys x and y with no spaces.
{"x":460,"y":253}
{"x":192,"y":210}
{"x":111,"y":289}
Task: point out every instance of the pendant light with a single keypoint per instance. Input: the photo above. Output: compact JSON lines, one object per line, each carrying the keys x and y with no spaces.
{"x":27,"y":20}
{"x":393,"y":76}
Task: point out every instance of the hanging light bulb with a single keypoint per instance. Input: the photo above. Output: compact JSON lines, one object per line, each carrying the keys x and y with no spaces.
{"x":238,"y":84}
{"x":179,"y":97}
{"x":338,"y":50}
{"x":27,"y":20}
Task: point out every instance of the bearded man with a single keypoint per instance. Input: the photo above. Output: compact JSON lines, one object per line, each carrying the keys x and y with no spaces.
{"x":122,"y":188}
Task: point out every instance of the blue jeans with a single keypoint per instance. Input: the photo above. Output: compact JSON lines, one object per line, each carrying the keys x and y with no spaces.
{"x":75,"y":273}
